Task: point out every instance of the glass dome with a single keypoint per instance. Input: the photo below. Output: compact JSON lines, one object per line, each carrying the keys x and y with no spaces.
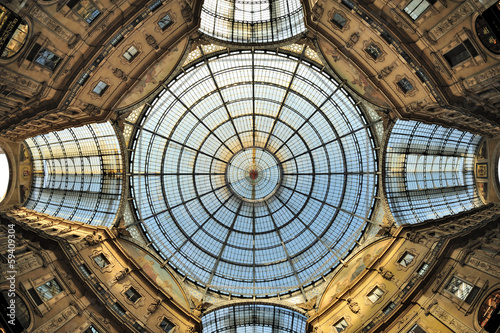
{"x":253,"y":173}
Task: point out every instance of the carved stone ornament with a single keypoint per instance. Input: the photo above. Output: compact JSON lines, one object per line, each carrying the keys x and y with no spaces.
{"x":120,"y":74}
{"x":352,"y":40}
{"x":317,"y":12}
{"x":414,"y":237}
{"x":386,"y":71}
{"x":199,"y":306}
{"x":354,"y":306}
{"x":153,"y":306}
{"x":386,"y":274}
{"x":152,"y":42}
{"x":187,"y":12}
{"x":451,"y":21}
{"x":93,"y":239}
{"x":92,"y":110}
{"x":122,"y":274}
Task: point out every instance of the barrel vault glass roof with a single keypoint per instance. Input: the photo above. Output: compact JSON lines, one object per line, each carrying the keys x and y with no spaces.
{"x":252,"y":21}
{"x":253,"y":173}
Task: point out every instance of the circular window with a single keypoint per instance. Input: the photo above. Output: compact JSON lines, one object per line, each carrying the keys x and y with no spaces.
{"x":488,"y":28}
{"x":253,"y":173}
{"x":15,"y":41}
{"x":489,"y":316}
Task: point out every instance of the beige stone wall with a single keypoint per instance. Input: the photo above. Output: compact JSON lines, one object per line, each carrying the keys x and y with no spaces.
{"x":51,"y":248}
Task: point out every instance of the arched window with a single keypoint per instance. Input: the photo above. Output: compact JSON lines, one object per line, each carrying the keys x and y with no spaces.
{"x":77,"y":174}
{"x":252,"y":21}
{"x":429,"y":171}
{"x":249,"y":318}
{"x":13,"y":33}
{"x":488,"y":28}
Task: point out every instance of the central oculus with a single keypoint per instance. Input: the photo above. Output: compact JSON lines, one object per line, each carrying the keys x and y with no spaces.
{"x":253,"y":174}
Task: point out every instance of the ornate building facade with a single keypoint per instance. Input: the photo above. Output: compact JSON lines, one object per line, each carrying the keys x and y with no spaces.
{"x":213,"y":166}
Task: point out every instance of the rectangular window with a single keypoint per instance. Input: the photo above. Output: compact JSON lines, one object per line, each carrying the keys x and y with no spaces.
{"x":460,"y":53}
{"x":155,"y":5}
{"x":86,"y":9}
{"x":388,"y":309}
{"x":119,"y":309}
{"x":101,"y":260}
{"x":459,"y":288}
{"x":341,"y":325}
{"x":416,"y":329}
{"x":91,"y":329}
{"x":165,"y":22}
{"x":423,"y":269}
{"x":166,"y":325}
{"x":405,"y":85}
{"x":406,"y":259}
{"x":99,"y":89}
{"x":339,"y":20}
{"x":139,"y":328}
{"x":48,"y":290}
{"x":85,"y":271}
{"x":375,"y":294}
{"x":374,"y":51}
{"x":43,"y":57}
{"x":417,"y":7}
{"x":116,"y":40}
{"x":131,"y":53}
{"x":132,"y":294}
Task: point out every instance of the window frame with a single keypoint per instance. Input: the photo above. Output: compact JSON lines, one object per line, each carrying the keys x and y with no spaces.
{"x":131,"y":56}
{"x":36,"y":51}
{"x":341,"y":321}
{"x":373,"y":291}
{"x":75,"y":6}
{"x":102,"y":90}
{"x":169,"y":322}
{"x":471,"y":295}
{"x":168,"y":25}
{"x":402,"y":259}
{"x":466,"y":44}
{"x":417,"y":4}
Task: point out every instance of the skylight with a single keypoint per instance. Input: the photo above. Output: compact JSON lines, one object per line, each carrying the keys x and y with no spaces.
{"x":253,"y":173}
{"x":252,"y":21}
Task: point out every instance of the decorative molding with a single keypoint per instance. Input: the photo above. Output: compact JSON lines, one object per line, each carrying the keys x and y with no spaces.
{"x":457,"y":16}
{"x":19,"y":80}
{"x":58,"y":321}
{"x":63,"y":33}
{"x":317,"y":11}
{"x":483,"y":76}
{"x":352,"y":40}
{"x":453,"y":323}
{"x":484,"y":266}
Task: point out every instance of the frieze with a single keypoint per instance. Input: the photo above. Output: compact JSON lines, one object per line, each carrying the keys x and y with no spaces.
{"x":450,"y":321}
{"x":52,"y":24}
{"x":457,"y":16}
{"x":484,"y":76}
{"x":19,"y":80}
{"x":58,"y":321}
{"x":484,"y":266}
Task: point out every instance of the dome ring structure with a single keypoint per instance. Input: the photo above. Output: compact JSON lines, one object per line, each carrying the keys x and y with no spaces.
{"x":314,"y":186}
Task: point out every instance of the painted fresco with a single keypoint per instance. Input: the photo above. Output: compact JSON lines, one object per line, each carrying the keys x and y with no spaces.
{"x":150,"y":80}
{"x":154,"y":271}
{"x":348,"y":274}
{"x":355,"y":78}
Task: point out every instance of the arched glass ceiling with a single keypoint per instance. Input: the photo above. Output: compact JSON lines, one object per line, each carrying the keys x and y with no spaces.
{"x":77,"y":174}
{"x":429,"y":171}
{"x":253,"y":173}
{"x":254,"y":318}
{"x":252,"y":21}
